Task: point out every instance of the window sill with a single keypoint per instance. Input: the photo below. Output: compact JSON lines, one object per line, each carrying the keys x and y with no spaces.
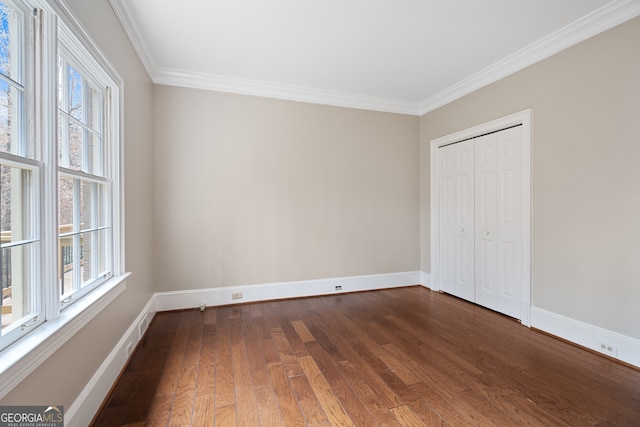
{"x":22,"y":357}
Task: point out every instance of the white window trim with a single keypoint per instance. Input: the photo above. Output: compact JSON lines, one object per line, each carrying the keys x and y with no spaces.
{"x":23,"y":357}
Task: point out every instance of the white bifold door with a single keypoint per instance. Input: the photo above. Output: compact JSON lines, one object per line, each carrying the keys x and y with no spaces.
{"x":481,"y":227}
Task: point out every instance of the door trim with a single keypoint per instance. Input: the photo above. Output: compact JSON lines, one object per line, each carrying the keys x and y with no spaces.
{"x":521,"y":118}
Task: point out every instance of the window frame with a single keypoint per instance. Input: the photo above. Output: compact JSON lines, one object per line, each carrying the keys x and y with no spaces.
{"x":53,"y":21}
{"x":75,"y":55}
{"x":27,"y":157}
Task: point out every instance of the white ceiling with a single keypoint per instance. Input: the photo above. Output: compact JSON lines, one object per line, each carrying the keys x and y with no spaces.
{"x":405,"y":56}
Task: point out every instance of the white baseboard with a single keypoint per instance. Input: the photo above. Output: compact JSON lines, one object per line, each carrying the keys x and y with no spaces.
{"x":89,"y":400}
{"x":624,"y":348}
{"x":425,"y":279}
{"x":211,"y":297}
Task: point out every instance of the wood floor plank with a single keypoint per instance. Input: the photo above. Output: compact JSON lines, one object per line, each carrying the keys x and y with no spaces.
{"x":404,"y":356}
{"x":302,"y":331}
{"x":173,"y":366}
{"x":367,"y":363}
{"x":241,"y":369}
{"x":194,"y":341}
{"x":160,"y":410}
{"x":340,"y":387}
{"x":206,"y":366}
{"x":286,"y":353}
{"x":369,"y":397}
{"x":183,"y":400}
{"x":406,"y":417}
{"x":268,"y":409}
{"x":311,"y":408}
{"x":246,"y":406}
{"x":210,"y":316}
{"x":436,"y":351}
{"x":269,"y":352}
{"x":224,"y":385}
{"x":400,"y":369}
{"x":226,"y":416}
{"x":255,"y":356}
{"x":289,"y":409}
{"x":432,"y":407}
{"x":372,"y":391}
{"x":433,"y":374}
{"x":333,"y":409}
{"x":113,"y":416}
{"x":204,"y":410}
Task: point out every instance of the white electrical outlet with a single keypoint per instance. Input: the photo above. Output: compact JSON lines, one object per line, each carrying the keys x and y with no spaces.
{"x":236,"y":295}
{"x":608,"y":349}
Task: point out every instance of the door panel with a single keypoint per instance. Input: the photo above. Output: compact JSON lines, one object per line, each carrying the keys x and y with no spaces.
{"x":499,"y":221}
{"x":510,"y":222}
{"x":486,"y":224}
{"x":456,"y":219}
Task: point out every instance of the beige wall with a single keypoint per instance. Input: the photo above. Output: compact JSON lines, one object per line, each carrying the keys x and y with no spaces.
{"x":250,"y":190}
{"x":585,"y":174}
{"x":62,"y":377}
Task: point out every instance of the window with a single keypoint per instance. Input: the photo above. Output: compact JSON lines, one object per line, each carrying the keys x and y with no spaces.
{"x":19,"y":178}
{"x":59,"y":168}
{"x":84,"y":187}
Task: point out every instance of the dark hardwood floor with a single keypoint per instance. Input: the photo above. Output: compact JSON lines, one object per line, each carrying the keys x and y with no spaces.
{"x":405,"y":356}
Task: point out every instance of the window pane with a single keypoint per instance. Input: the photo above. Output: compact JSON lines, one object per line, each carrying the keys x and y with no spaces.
{"x":104,"y":217}
{"x":15,"y":204}
{"x":91,"y":152}
{"x":74,"y":94}
{"x":94,"y":245}
{"x":19,"y":298}
{"x":88,"y":268}
{"x":65,"y":204}
{"x":103,"y":244}
{"x":66,"y":265}
{"x":80,"y":148}
{"x":80,"y":139}
{"x":84,"y":253}
{"x":10,"y":43}
{"x":70,"y":143}
{"x":11,"y":130}
{"x":88,"y":204}
{"x":94,"y":108}
{"x":83,"y":100}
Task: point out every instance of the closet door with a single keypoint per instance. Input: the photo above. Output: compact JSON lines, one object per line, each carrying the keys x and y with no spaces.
{"x":499,"y":222}
{"x":456,"y":219}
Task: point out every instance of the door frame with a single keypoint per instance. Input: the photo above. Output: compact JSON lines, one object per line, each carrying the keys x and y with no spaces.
{"x":520,"y":118}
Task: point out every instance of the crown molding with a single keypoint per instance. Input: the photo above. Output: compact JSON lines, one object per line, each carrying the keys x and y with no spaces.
{"x":600,"y":20}
{"x":188,"y":79}
{"x":608,"y":16}
{"x":127,"y":19}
